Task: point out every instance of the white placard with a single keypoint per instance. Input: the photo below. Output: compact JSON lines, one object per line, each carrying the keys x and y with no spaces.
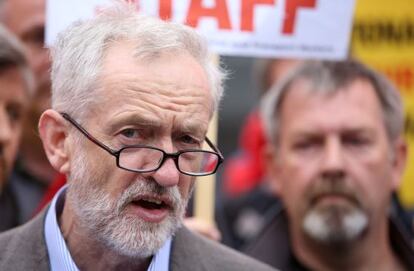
{"x":258,"y":28}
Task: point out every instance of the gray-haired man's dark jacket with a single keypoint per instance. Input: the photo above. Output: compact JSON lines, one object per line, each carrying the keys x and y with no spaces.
{"x":24,"y":248}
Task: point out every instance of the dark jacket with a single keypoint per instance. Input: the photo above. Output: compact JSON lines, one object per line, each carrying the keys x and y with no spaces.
{"x":273,"y":247}
{"x":24,"y":248}
{"x":8,"y":209}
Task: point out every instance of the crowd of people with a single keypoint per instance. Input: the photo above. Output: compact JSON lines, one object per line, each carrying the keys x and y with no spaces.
{"x":101,"y":142}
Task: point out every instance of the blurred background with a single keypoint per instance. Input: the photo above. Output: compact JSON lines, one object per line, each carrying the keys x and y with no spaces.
{"x":382,"y":37}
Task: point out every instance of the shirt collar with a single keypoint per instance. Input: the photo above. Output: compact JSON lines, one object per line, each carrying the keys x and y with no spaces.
{"x":59,"y":255}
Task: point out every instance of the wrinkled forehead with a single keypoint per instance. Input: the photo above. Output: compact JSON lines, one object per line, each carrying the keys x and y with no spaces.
{"x":176,"y":71}
{"x":352,"y":105}
{"x":167,"y":84}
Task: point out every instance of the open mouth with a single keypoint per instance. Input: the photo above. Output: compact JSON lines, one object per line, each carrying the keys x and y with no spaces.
{"x":151,"y":209}
{"x":151,"y":204}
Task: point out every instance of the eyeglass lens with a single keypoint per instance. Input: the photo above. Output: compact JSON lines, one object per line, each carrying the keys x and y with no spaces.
{"x":147,"y":159}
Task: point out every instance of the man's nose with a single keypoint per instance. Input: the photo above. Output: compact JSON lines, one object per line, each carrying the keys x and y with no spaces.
{"x":333,"y":157}
{"x":167,"y":175}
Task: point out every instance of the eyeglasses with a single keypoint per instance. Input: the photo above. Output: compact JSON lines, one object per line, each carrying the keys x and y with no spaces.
{"x":142,"y":158}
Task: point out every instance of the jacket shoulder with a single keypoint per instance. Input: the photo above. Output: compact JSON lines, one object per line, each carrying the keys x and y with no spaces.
{"x":191,"y":251}
{"x":24,"y":247}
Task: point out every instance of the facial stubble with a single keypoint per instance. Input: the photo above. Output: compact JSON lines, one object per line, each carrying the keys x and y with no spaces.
{"x":107,"y":219}
{"x":334,"y":224}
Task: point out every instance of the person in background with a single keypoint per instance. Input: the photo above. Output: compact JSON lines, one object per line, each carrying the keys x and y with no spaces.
{"x":32,"y":173}
{"x":16,"y":87}
{"x":335,"y":156}
{"x":132,"y":100}
{"x":247,"y":199}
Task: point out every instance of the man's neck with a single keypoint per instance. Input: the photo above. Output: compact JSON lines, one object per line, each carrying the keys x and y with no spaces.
{"x":90,"y":254}
{"x":372,"y":251}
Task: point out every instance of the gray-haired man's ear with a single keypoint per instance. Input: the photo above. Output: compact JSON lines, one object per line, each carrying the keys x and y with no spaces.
{"x":399,"y":161}
{"x":53,"y":132}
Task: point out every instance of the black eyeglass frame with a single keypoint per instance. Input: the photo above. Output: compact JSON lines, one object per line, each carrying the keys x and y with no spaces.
{"x":165,"y":156}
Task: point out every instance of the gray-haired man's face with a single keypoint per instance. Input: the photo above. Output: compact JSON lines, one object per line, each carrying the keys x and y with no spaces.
{"x":332,"y":167}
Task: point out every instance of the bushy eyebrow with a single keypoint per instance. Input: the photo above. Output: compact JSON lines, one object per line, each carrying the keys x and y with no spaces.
{"x":193,"y":127}
{"x":346,"y":131}
{"x":135,"y":119}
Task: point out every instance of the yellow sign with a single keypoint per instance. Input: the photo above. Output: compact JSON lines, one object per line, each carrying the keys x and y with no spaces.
{"x":383,"y":37}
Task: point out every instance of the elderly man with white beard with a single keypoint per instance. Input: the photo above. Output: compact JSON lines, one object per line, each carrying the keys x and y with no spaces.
{"x":132,"y":97}
{"x":335,"y":156}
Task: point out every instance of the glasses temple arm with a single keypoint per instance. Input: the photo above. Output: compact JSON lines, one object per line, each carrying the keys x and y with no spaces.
{"x":214,"y":148}
{"x":87,"y":134}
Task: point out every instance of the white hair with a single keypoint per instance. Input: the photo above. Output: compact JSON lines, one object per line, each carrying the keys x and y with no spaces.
{"x":79,"y":50}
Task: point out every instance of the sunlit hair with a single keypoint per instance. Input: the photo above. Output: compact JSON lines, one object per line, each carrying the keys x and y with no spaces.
{"x":79,"y":50}
{"x":12,"y":56}
{"x":332,"y":77}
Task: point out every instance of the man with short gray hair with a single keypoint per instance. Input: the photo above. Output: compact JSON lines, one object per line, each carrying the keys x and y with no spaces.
{"x":16,"y":87}
{"x":132,"y":98}
{"x":335,"y":155}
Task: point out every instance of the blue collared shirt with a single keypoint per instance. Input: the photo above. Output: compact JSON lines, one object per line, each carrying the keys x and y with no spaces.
{"x":59,"y":255}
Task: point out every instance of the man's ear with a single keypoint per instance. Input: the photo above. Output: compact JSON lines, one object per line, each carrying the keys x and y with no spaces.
{"x":272,"y":168}
{"x":53,"y":132}
{"x":399,"y":162}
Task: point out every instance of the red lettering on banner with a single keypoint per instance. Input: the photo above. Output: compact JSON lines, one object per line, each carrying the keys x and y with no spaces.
{"x":165,"y":9}
{"x":247,"y":12}
{"x":402,"y":76}
{"x":291,"y":9}
{"x":219,"y":11}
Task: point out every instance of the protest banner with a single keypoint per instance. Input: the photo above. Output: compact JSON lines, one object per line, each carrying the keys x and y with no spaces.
{"x":383,"y":38}
{"x":258,"y":28}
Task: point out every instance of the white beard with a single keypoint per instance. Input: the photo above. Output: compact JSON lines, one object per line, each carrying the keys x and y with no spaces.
{"x":105,"y":218}
{"x":335,"y":225}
